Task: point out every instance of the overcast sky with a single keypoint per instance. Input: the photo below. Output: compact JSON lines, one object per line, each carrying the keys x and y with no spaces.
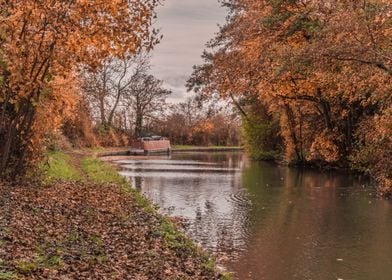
{"x":186,"y":25}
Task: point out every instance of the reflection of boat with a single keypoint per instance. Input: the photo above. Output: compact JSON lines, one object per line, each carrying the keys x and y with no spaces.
{"x":150,"y":145}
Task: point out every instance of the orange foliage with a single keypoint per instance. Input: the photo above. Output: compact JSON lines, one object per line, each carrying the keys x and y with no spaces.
{"x":323,"y":78}
{"x":52,"y":109}
{"x":42,"y":44}
{"x":78,"y":127}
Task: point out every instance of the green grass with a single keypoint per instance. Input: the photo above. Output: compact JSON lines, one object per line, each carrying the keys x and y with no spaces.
{"x":39,"y":262}
{"x":101,"y":172}
{"x":27,"y":267}
{"x":183,"y":245}
{"x":226,"y":276}
{"x":8,"y":276}
{"x":94,"y":149}
{"x":176,"y":239}
{"x":59,"y":167}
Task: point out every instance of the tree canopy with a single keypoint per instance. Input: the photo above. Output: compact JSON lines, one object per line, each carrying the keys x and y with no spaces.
{"x":321,"y":68}
{"x":43,"y":45}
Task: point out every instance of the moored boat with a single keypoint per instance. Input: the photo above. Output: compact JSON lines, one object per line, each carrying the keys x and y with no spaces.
{"x":151,"y":145}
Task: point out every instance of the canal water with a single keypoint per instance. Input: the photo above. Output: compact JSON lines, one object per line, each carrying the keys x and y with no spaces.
{"x":272,"y":222}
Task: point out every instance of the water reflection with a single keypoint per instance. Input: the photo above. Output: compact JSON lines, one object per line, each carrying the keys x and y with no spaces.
{"x":205,"y":189}
{"x":273,"y":222}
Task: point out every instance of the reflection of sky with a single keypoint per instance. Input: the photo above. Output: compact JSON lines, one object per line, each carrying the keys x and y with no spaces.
{"x":205,"y":203}
{"x":187,"y":25}
{"x":212,"y":202}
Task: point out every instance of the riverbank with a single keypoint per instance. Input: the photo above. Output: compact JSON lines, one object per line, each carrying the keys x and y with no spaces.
{"x":86,"y":222}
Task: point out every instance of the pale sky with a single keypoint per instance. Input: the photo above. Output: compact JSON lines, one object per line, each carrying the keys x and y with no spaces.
{"x":186,"y":26}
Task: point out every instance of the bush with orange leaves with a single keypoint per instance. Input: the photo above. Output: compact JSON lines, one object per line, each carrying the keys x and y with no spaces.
{"x":373,"y":153}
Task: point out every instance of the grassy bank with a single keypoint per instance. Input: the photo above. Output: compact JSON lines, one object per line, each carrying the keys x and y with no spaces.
{"x":87,"y":222}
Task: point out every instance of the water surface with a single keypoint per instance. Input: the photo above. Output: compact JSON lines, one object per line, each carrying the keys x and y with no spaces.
{"x":272,"y":222}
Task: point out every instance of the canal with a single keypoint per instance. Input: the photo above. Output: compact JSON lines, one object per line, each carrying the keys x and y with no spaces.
{"x":272,"y":222}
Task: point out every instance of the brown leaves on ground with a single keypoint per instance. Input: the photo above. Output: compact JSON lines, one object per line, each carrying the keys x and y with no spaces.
{"x":86,"y":231}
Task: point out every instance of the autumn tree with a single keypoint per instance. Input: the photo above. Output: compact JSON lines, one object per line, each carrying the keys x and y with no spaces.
{"x":324,"y":79}
{"x":44,"y":43}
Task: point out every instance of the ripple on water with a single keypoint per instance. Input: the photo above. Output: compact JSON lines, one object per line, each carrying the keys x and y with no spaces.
{"x":240,"y":199}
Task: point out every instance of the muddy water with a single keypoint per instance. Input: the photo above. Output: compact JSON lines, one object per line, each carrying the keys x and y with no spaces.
{"x":272,"y":222}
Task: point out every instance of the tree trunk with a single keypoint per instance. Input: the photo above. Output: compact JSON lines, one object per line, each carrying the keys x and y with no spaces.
{"x":291,"y":121}
{"x":139,"y":124}
{"x":102,"y":110}
{"x":110,"y":118}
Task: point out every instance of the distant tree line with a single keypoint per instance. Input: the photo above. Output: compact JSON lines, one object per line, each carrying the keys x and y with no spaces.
{"x":193,"y":123}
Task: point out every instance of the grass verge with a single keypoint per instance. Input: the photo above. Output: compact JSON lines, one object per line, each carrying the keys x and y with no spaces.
{"x":101,"y":172}
{"x":8,"y":276}
{"x":58,"y":167}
